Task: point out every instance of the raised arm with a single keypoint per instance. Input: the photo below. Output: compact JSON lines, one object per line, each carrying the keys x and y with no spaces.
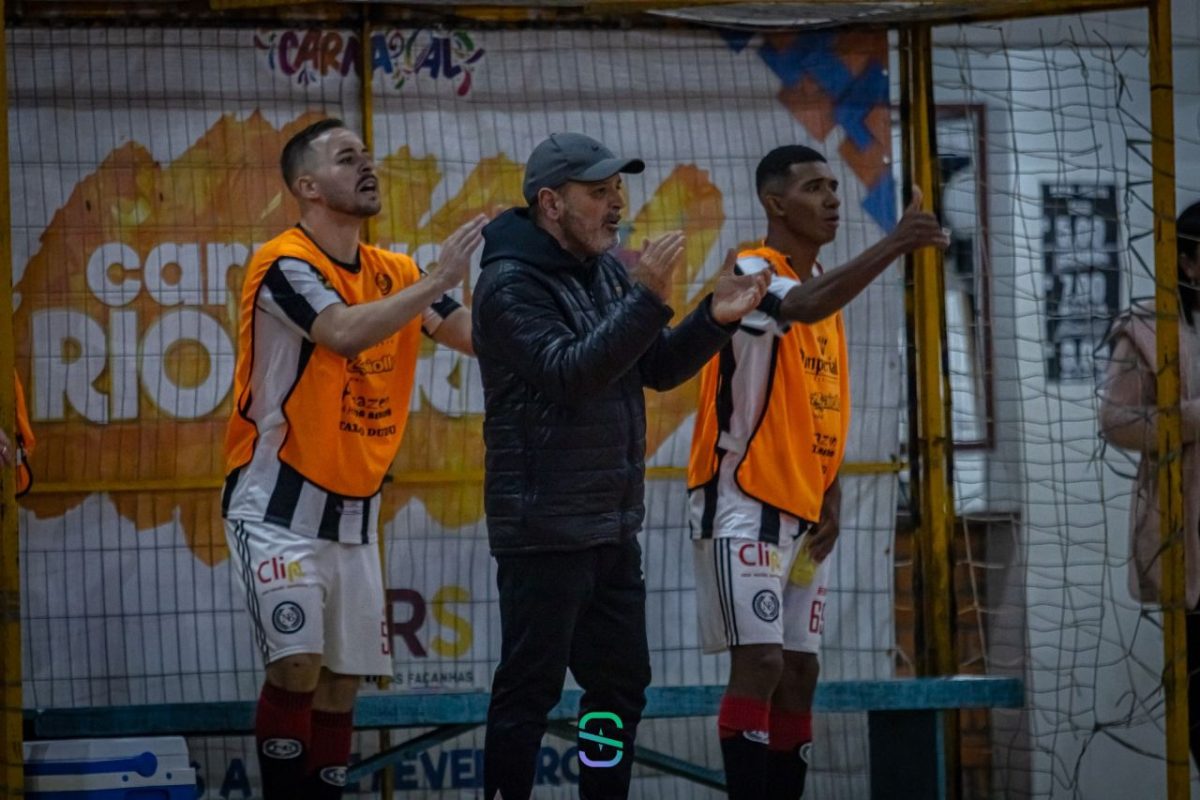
{"x":455,"y":331}
{"x":680,"y":352}
{"x":822,"y":295}
{"x":517,"y":321}
{"x":350,"y":329}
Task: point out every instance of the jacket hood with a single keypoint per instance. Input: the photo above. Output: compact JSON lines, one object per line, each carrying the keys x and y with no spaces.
{"x":512,"y":235}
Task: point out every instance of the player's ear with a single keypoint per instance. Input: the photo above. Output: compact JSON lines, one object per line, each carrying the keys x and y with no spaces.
{"x":773,"y":204}
{"x":550,"y":203}
{"x":305,"y":187}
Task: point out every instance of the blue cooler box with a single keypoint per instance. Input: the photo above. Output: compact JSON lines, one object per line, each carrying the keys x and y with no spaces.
{"x":109,"y":769}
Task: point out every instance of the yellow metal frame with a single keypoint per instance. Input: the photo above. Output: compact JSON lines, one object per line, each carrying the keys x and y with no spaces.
{"x":931,"y":478}
{"x":1169,"y":438}
{"x":933,"y":11}
{"x":932,"y":467}
{"x":12,"y":756}
{"x":287,"y":12}
{"x":936,"y":509}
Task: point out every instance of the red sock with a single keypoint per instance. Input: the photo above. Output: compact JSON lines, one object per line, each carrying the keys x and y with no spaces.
{"x":282,"y":732}
{"x":743,"y":723}
{"x":329,"y":754}
{"x":740,"y":714}
{"x":788,"y":754}
{"x":790,"y":729}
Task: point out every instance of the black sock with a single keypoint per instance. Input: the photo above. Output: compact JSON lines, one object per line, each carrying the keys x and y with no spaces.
{"x":745,"y":757}
{"x":282,"y":728}
{"x":786,"y":772}
{"x":332,"y":734}
{"x":327,"y":784}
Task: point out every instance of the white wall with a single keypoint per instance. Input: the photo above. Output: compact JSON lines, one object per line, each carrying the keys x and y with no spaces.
{"x":1068,"y":100}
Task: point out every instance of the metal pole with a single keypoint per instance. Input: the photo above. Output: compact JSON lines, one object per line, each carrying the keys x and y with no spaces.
{"x":937,"y":510}
{"x":934,"y":530}
{"x":12,"y":777}
{"x":1169,"y":439}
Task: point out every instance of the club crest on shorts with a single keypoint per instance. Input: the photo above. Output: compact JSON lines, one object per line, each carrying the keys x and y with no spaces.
{"x":335,"y":776}
{"x":281,"y":748}
{"x":289,"y":617}
{"x":766,"y":605}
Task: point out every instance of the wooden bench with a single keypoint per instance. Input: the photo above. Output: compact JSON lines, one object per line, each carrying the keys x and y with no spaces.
{"x":904,"y":723}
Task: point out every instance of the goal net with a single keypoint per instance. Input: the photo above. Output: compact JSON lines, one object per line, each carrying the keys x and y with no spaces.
{"x":144,"y":168}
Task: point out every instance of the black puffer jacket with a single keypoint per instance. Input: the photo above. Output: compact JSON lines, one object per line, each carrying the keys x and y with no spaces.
{"x":565,"y":348}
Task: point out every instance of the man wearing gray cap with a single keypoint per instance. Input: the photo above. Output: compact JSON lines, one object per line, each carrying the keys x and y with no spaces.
{"x":567,"y":339}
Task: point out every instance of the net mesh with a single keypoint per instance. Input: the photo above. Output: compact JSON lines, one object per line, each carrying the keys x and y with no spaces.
{"x":144,"y":173}
{"x":1044,"y":142}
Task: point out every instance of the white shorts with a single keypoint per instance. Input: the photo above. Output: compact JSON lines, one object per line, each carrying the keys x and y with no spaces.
{"x":752,"y":592}
{"x":309,"y":595}
{"x":723,"y":509}
{"x":754,"y":584}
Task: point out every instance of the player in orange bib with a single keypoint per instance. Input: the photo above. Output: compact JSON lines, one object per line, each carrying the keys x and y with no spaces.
{"x":16,"y":453}
{"x":764,"y":500}
{"x":327,"y":348}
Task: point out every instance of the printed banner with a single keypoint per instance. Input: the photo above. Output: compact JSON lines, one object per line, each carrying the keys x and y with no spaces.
{"x":145,"y":173}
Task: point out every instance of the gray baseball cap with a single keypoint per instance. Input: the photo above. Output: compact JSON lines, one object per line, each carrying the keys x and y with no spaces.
{"x":572,"y":157}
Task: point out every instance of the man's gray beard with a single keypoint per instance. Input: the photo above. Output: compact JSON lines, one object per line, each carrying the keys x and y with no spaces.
{"x":609,"y":243}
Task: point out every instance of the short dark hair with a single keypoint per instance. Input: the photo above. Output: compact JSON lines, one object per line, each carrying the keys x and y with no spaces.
{"x":294,"y":151}
{"x":777,"y":165}
{"x":1187,"y":230}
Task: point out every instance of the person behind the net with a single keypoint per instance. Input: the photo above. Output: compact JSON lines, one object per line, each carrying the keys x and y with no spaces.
{"x":764,"y":497}
{"x":329,"y":334}
{"x":1128,"y":415}
{"x":567,"y":339}
{"x":16,"y":452}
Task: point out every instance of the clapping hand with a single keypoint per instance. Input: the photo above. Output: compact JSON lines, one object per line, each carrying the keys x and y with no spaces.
{"x":454,"y":258}
{"x":657,"y":263}
{"x":735,"y":296}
